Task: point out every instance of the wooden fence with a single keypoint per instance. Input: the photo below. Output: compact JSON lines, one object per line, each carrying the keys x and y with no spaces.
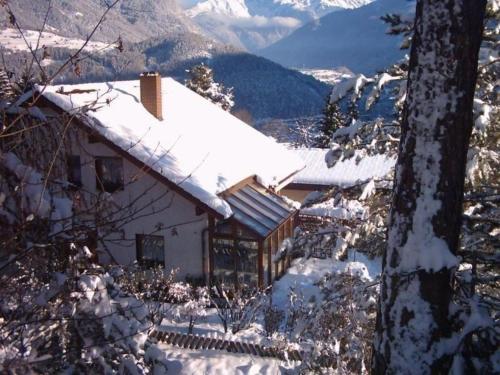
{"x":202,"y":342}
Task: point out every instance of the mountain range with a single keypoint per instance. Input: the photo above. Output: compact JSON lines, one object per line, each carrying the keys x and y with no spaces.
{"x":261,"y":87}
{"x":255,"y":24}
{"x":354,"y":38}
{"x":169,"y":36}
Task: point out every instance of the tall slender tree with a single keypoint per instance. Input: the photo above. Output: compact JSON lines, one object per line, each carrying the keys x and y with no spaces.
{"x":333,"y":119}
{"x":414,"y":333}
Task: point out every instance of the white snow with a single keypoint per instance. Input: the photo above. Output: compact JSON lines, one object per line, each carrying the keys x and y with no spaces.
{"x":212,"y":362}
{"x":36,"y":199}
{"x":239,"y":8}
{"x":344,"y":173}
{"x":377,"y":88}
{"x":198,"y":146}
{"x":232,"y":8}
{"x":330,"y":76}
{"x":483,"y":119}
{"x":11,"y":39}
{"x":368,"y":190}
{"x":305,"y":273}
{"x":345,"y":209}
{"x":354,"y":84}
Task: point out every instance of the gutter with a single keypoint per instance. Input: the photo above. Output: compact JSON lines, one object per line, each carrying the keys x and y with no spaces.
{"x":203,"y":257}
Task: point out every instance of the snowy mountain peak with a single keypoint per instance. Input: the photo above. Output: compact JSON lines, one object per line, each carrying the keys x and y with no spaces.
{"x":255,"y":24}
{"x":230,"y":8}
{"x":321,"y":7}
{"x":248,"y":8}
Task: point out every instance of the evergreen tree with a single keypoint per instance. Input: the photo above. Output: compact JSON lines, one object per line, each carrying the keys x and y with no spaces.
{"x":416,"y":331}
{"x":201,"y":81}
{"x":352,"y":113}
{"x":333,"y":119}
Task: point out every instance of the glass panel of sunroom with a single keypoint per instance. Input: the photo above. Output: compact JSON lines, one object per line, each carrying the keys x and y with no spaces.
{"x":247,"y":263}
{"x":224,"y":262}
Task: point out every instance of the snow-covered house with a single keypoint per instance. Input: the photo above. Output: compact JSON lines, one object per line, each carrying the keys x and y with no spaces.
{"x":190,"y":186}
{"x":317,"y":176}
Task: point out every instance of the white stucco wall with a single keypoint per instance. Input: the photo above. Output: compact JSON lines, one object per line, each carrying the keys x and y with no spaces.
{"x":149,"y":204}
{"x":295,"y":194}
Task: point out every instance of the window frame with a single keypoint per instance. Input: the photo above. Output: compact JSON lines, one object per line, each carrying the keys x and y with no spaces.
{"x":139,"y":247}
{"x":74,"y":164}
{"x":100,"y":182}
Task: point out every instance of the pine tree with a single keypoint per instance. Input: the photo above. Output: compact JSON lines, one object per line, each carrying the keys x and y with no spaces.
{"x":415,"y":331}
{"x":352,"y":112}
{"x":333,"y":119}
{"x":201,"y":81}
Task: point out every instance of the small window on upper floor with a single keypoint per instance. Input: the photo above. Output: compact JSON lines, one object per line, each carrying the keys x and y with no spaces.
{"x":93,"y":138}
{"x":109,"y":173}
{"x":150,"y":250}
{"x":74,"y":171}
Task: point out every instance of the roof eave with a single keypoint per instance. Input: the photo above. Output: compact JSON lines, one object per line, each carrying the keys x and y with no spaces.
{"x":172,"y":185}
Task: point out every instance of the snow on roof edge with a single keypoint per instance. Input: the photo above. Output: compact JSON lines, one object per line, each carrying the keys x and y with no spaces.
{"x":190,"y":185}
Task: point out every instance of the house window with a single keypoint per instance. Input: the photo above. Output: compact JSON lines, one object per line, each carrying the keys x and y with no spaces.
{"x":235,"y":262}
{"x":74,"y":170}
{"x":109,"y":174}
{"x":150,"y":250}
{"x":93,"y":138}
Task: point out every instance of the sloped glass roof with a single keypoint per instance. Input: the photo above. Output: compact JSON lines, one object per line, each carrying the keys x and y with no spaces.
{"x":258,"y":210}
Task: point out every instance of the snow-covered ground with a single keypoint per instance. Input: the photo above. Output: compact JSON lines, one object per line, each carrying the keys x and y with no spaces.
{"x":211,"y":326}
{"x":213,"y":362}
{"x":301,"y":277}
{"x":11,"y":39}
{"x":305,"y":273}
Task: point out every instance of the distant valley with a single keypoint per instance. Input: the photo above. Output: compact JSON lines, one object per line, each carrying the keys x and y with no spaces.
{"x":173,"y":35}
{"x":263,"y":88}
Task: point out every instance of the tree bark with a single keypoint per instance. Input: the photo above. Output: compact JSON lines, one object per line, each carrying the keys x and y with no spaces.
{"x":414,"y":333}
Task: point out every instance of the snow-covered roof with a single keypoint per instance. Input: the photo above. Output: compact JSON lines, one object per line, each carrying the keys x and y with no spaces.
{"x":344,"y":173}
{"x":198,"y":146}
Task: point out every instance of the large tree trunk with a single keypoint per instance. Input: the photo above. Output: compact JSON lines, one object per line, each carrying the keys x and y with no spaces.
{"x":414,"y":331}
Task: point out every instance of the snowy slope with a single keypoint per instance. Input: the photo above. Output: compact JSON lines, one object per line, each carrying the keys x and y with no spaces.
{"x":354,"y":38}
{"x":11,"y":39}
{"x":302,"y":9}
{"x":231,"y":8}
{"x":133,"y":20}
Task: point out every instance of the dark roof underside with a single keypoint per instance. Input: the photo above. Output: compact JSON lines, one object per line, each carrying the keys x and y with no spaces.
{"x":262,"y":212}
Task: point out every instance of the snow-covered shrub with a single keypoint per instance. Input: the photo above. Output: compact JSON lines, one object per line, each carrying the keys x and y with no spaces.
{"x":342,"y":326}
{"x":149,"y":284}
{"x":75,"y":318}
{"x":273,"y":317}
{"x":191,"y":303}
{"x":295,"y":315}
{"x":236,"y":308}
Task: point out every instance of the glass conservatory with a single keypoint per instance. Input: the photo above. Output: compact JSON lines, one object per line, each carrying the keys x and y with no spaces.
{"x":244,"y":248}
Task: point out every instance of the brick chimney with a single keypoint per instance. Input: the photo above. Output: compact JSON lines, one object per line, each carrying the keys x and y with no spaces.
{"x":150,"y":83}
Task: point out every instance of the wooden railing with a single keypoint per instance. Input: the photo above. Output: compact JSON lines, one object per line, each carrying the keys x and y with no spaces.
{"x":196,"y":342}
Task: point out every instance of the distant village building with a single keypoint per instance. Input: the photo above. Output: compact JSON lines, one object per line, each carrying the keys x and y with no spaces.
{"x":189,"y":186}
